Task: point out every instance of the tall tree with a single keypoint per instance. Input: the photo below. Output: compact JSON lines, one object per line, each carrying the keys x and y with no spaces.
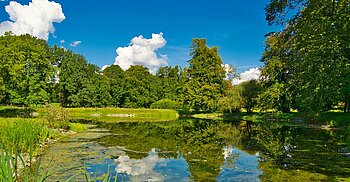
{"x":26,"y":69}
{"x":140,"y":87}
{"x":168,"y":82}
{"x":275,"y":74}
{"x":250,"y":90}
{"x":2,"y":90}
{"x":116,"y":78}
{"x":319,"y":66}
{"x":205,"y":84}
{"x":94,"y":91}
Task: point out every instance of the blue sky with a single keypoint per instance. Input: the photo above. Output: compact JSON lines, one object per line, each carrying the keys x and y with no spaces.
{"x":236,"y":27}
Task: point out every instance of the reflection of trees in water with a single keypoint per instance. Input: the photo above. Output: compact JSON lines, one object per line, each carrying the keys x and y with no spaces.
{"x":201,"y":144}
{"x":275,"y":144}
{"x":289,"y":151}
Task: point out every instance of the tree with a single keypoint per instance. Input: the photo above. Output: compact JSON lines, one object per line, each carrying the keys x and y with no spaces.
{"x":319,"y":64}
{"x":140,"y":87}
{"x":2,"y":91}
{"x":250,"y":91}
{"x":26,"y":69}
{"x":205,"y":82}
{"x":116,"y":78}
{"x":72,"y":75}
{"x":276,"y":73}
{"x":168,"y":82}
{"x":80,"y":84}
{"x":232,"y":101}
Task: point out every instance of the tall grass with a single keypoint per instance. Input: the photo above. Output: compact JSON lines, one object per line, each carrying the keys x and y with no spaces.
{"x":14,"y":168}
{"x":26,"y":135}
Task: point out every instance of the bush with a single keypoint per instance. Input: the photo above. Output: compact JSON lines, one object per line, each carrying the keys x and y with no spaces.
{"x":166,"y":104}
{"x":56,"y":117}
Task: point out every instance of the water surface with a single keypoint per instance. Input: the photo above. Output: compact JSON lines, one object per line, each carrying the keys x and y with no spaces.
{"x":202,"y":150}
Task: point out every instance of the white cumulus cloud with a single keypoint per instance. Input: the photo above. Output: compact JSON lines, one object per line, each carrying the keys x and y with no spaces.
{"x":142,"y":51}
{"x":62,"y":41}
{"x":252,"y":74}
{"x":141,"y":169}
{"x":36,"y":18}
{"x":75,"y":43}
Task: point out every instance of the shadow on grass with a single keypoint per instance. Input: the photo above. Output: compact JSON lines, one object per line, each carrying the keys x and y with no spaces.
{"x":16,"y":112}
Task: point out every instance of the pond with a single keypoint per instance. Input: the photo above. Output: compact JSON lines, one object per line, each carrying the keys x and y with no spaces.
{"x":201,"y":150}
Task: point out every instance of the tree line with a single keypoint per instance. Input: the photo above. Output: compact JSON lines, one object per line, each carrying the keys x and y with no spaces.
{"x":33,"y":73}
{"x":306,"y":67}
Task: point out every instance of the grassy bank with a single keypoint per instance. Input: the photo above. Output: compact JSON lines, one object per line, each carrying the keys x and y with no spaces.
{"x":23,"y":137}
{"x":119,"y":114}
{"x":108,"y":114}
{"x":334,"y":119}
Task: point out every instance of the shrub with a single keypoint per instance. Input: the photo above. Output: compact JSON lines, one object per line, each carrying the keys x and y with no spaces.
{"x":166,"y":104}
{"x":56,"y":117}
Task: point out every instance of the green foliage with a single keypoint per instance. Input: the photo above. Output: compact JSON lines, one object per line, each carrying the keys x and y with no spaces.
{"x":81,"y":84}
{"x":56,"y":117}
{"x":14,"y":168}
{"x":250,"y":91}
{"x":26,"y":135}
{"x":2,"y":90}
{"x":166,"y":104}
{"x":204,"y":83}
{"x":168,"y":82}
{"x":116,"y":79}
{"x":278,"y":10}
{"x":140,"y":88}
{"x":309,"y":60}
{"x":276,"y":73}
{"x":26,"y":70}
{"x":272,"y":98}
{"x":232,"y":101}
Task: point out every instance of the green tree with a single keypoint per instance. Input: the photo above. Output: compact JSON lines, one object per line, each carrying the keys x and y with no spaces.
{"x":250,"y":90}
{"x":205,"y":82}
{"x":72,"y":75}
{"x":276,"y":73}
{"x":319,"y":64}
{"x":2,"y":90}
{"x":26,"y":69}
{"x":116,"y":78}
{"x":232,"y":101}
{"x":80,"y":84}
{"x":140,"y":87}
{"x":168,"y":82}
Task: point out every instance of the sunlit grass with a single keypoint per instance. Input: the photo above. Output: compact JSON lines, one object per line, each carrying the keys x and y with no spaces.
{"x":111,"y":114}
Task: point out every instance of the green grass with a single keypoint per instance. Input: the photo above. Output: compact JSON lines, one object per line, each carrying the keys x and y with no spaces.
{"x":108,"y":114}
{"x":334,"y":119}
{"x":26,"y":134}
{"x":77,"y":127}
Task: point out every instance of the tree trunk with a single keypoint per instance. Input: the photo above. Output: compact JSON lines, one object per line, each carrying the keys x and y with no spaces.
{"x":346,"y":104}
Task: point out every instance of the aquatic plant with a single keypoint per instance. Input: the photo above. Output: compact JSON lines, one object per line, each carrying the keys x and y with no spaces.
{"x":26,"y":135}
{"x":14,"y":167}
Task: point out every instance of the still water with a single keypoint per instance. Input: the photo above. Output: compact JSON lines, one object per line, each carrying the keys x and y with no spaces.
{"x":201,"y":150}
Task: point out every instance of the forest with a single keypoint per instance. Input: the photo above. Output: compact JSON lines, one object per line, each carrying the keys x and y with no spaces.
{"x":306,"y":68}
